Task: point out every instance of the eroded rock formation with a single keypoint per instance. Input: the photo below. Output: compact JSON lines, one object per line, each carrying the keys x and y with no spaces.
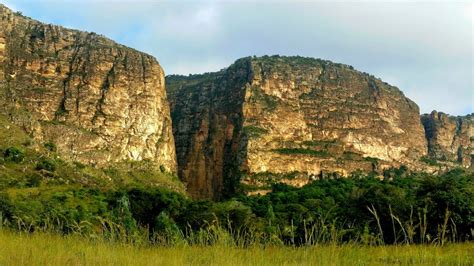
{"x":450,"y":138}
{"x":258,"y":122}
{"x":98,"y":101}
{"x":288,"y":119}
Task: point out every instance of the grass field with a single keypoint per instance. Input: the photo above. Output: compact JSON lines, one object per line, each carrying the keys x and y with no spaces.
{"x":50,"y":249}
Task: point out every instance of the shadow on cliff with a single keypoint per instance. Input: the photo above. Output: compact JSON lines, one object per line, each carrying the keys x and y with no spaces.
{"x":207,"y":113}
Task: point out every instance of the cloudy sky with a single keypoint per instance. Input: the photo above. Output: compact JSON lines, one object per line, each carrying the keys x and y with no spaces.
{"x":424,"y":48}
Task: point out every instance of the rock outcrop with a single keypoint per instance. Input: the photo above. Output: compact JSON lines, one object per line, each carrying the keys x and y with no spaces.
{"x":450,"y":139}
{"x":98,"y":101}
{"x":288,"y":119}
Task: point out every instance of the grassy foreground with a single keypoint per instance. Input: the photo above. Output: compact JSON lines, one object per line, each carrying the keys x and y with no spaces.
{"x":50,"y":249}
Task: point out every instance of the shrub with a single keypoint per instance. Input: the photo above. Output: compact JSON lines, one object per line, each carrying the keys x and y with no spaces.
{"x":79,"y":165}
{"x":165,"y":230}
{"x":33,"y":180}
{"x":13,"y":154}
{"x":429,"y":161}
{"x":254,"y":131}
{"x":162,"y":169}
{"x":45,"y":164}
{"x":50,"y":146}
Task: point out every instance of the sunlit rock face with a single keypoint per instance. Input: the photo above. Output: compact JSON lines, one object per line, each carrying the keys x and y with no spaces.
{"x":450,"y":138}
{"x":97,"y":100}
{"x":288,"y":119}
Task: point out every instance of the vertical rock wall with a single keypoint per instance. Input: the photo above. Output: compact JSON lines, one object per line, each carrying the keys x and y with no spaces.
{"x":98,"y":101}
{"x":450,"y":138}
{"x":291,"y":120}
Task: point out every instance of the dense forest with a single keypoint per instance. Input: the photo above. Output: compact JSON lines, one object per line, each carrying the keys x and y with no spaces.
{"x":402,"y":208}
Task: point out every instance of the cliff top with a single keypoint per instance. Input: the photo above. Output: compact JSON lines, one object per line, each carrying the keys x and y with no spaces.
{"x":269,"y":60}
{"x":6,"y":14}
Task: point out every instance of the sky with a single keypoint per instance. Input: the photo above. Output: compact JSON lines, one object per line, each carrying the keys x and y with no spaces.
{"x":423,"y":48}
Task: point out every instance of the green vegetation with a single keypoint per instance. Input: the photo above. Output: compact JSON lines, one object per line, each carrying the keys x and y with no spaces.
{"x":51,"y":249}
{"x":265,"y":180}
{"x":354,"y":156}
{"x":350,"y":155}
{"x":321,"y":143}
{"x":20,"y":164}
{"x":316,"y":153}
{"x":418,"y":208}
{"x":298,"y":61}
{"x":25,"y":164}
{"x":371,"y":159}
{"x":269,"y":102}
{"x":13,"y":154}
{"x":50,"y":146}
{"x":45,"y":164}
{"x":429,"y":161}
{"x":136,"y":206}
{"x":254,"y":131}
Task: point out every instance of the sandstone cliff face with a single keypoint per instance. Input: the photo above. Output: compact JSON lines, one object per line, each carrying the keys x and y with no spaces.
{"x":99,"y":101}
{"x":288,"y":119}
{"x":450,"y":139}
{"x":207,"y":126}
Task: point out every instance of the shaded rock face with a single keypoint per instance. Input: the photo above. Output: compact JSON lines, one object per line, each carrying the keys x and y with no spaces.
{"x":288,"y":119}
{"x":98,"y":101}
{"x":450,"y":138}
{"x":207,"y":126}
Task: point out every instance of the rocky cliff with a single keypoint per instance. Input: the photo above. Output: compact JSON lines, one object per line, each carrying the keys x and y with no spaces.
{"x":450,"y":139}
{"x":98,"y":101}
{"x":207,"y":126}
{"x":288,"y":119}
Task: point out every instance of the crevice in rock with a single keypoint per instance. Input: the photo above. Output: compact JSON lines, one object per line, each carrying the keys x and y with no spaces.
{"x":61,"y":111}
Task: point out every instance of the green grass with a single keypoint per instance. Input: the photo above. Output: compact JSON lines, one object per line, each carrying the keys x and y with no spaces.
{"x":51,"y":249}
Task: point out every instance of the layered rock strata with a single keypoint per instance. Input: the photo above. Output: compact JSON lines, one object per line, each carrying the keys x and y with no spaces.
{"x":450,"y":138}
{"x":98,"y":101}
{"x":288,"y":119}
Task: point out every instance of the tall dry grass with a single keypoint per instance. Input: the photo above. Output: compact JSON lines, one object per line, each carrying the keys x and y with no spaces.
{"x":52,"y":249}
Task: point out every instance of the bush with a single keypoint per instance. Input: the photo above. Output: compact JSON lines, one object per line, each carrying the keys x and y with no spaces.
{"x":46,"y":165}
{"x":413,"y":209}
{"x":254,"y":131}
{"x":13,"y":154}
{"x":33,"y":180}
{"x":162,"y":169}
{"x":165,"y":230}
{"x":50,"y":146}
{"x":429,"y":161}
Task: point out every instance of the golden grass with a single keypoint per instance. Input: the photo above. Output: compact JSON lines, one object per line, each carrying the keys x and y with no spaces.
{"x":50,"y":249}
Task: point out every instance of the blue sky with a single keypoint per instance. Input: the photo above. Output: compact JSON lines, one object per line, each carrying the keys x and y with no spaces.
{"x":424,"y":48}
